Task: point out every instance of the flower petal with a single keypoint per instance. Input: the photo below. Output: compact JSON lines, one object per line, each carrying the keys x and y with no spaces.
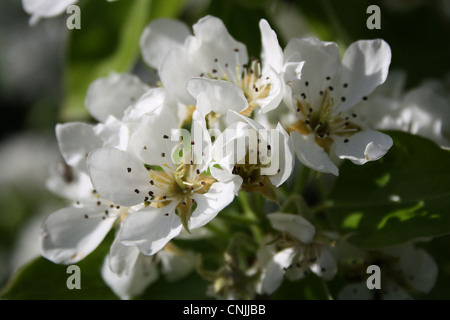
{"x":364,"y":146}
{"x":325,"y":266}
{"x":149,"y":103}
{"x":77,"y":188}
{"x":154,"y":140}
{"x":130,"y":285}
{"x":272,"y":54}
{"x":45,"y":8}
{"x":151,"y":228}
{"x":211,"y":203}
{"x":75,"y":141}
{"x":114,"y":133}
{"x":216,"y":43}
{"x":296,"y":225}
{"x":112,"y":95}
{"x":272,"y":80}
{"x":175,"y":69}
{"x":322,"y":60}
{"x":175,"y":263}
{"x":273,"y":273}
{"x":70,"y":234}
{"x":286,"y":158}
{"x":221,"y":95}
{"x":365,"y":66}
{"x":161,"y":36}
{"x":312,"y":155}
{"x":419,"y":269}
{"x":122,"y":258}
{"x":118,"y":176}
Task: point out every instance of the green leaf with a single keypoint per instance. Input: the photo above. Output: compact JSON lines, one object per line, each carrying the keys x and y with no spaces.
{"x":403,"y":196}
{"x":43,"y":280}
{"x":192,"y":287}
{"x":107,"y":42}
{"x":311,"y":287}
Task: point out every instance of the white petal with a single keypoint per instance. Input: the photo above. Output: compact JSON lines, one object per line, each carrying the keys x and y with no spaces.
{"x":79,"y":188}
{"x":272,"y":54}
{"x":118,"y":176}
{"x":161,"y":36}
{"x":273,"y":273}
{"x":226,"y":176}
{"x":211,"y":203}
{"x":113,"y":94}
{"x":128,"y":286}
{"x":176,"y":264}
{"x":419,"y":270}
{"x":293,"y":71}
{"x":325,"y":266}
{"x":151,"y":228}
{"x":216,"y":43}
{"x":175,"y":69}
{"x":122,"y":259}
{"x":75,"y":141}
{"x":45,"y":8}
{"x":221,"y":95}
{"x":149,"y":103}
{"x":286,"y":158}
{"x":273,"y":99}
{"x":227,"y":149}
{"x":202,"y":148}
{"x":67,"y":236}
{"x":312,"y":155}
{"x":296,"y":225}
{"x":154,"y":140}
{"x":365,"y":66}
{"x":364,"y":146}
{"x":114,"y":133}
{"x":322,"y":60}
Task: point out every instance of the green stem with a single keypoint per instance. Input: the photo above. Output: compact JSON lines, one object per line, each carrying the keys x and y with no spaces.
{"x":250,"y":214}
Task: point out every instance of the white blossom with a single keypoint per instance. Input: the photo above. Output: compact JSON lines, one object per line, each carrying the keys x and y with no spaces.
{"x":324,"y":97}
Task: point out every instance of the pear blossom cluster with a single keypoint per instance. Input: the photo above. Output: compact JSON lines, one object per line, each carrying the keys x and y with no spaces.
{"x":163,"y":162}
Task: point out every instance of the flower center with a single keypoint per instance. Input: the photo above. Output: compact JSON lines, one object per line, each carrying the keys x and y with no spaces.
{"x":178,"y":184}
{"x":252,"y":178}
{"x":322,"y":121}
{"x":248,"y":78}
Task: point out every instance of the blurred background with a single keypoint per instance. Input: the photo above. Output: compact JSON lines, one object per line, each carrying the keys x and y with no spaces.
{"x":45,"y":70}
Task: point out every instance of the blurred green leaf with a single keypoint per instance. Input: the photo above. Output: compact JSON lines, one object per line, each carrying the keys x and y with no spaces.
{"x":192,"y":287}
{"x":43,"y":280}
{"x":107,"y":42}
{"x":403,"y":196}
{"x":311,"y":287}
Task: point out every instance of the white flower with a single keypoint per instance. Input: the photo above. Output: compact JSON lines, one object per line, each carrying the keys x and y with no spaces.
{"x":255,"y":157}
{"x":405,"y":270}
{"x":71,"y":233}
{"x":420,"y":110}
{"x":128,"y":285}
{"x":212,"y":63}
{"x":46,"y":8}
{"x":112,"y":95}
{"x":173,"y":194}
{"x":128,"y":273}
{"x":300,"y":254}
{"x":324,"y":97}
